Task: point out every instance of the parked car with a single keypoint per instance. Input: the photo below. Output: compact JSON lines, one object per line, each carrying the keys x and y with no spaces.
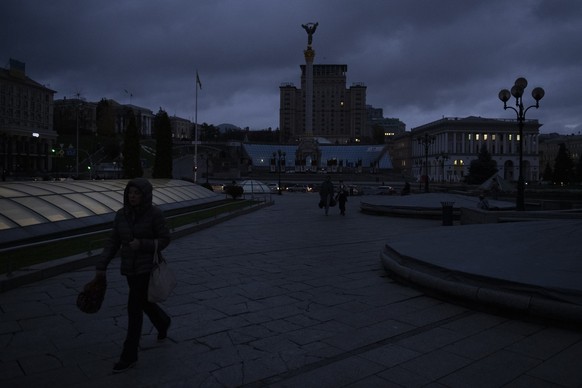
{"x":297,"y":188}
{"x":385,"y":190}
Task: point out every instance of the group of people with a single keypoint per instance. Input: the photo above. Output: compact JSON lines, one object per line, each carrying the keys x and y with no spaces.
{"x":136,"y":227}
{"x":328,"y":196}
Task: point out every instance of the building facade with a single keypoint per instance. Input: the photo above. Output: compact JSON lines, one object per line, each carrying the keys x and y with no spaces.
{"x":144,"y":119}
{"x":443,"y":149}
{"x":339,"y":113}
{"x":74,"y":114}
{"x":550,"y":144}
{"x":182,"y":129}
{"x":26,"y":123}
{"x":390,"y":127}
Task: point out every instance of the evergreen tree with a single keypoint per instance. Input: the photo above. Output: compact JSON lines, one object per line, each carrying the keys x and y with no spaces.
{"x":163,"y":132}
{"x":482,"y":168}
{"x":105,"y":117}
{"x":131,"y":149}
{"x":105,"y":120}
{"x":548,"y":174}
{"x":564,"y":166}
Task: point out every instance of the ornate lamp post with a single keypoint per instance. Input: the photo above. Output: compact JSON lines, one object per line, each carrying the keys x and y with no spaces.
{"x":279,"y":158}
{"x":426,"y":141}
{"x":77,"y":149}
{"x":517,"y":92}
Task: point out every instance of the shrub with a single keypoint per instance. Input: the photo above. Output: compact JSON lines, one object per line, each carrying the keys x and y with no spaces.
{"x":207,"y":186}
{"x":234,"y":191}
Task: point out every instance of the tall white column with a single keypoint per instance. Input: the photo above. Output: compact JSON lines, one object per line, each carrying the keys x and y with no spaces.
{"x":309,"y":56}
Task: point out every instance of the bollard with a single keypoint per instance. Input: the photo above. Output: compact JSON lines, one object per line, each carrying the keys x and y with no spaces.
{"x":447,"y":213}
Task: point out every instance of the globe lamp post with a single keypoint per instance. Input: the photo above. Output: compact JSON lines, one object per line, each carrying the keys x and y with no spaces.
{"x":504,"y":95}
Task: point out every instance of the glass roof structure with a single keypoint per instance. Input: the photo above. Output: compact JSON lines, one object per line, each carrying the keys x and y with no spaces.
{"x":29,"y":209}
{"x":251,"y":186}
{"x":261,"y":154}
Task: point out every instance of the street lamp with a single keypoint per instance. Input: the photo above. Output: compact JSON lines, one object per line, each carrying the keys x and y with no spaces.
{"x":77,"y":150}
{"x":440,"y":159}
{"x":426,"y":141}
{"x":517,"y":92}
{"x":279,"y":157}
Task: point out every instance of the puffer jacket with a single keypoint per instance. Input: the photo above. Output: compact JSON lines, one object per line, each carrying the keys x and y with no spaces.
{"x":145,"y":223}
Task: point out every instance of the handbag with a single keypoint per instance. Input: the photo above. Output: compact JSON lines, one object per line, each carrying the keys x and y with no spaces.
{"x":91,"y":298}
{"x":162,"y":279}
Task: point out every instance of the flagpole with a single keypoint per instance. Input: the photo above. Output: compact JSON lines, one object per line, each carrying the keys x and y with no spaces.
{"x":196,"y":130}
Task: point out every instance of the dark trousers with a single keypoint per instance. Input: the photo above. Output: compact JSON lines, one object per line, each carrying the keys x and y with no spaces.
{"x":137,"y":304}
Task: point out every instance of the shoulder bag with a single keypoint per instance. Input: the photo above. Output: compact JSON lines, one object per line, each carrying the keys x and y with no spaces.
{"x":162,"y":279}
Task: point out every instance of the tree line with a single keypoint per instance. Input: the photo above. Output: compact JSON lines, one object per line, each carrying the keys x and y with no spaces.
{"x":566,"y":170}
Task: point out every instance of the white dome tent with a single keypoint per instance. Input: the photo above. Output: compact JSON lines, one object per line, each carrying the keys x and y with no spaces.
{"x":251,"y":186}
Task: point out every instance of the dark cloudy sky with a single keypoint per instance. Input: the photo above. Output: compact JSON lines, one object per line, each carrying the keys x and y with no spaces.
{"x":421,"y":60}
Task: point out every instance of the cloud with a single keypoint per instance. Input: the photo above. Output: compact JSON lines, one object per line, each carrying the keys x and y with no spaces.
{"x":419,"y":59}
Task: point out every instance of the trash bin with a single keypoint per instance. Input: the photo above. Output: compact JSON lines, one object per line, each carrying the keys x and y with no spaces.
{"x":447,"y":213}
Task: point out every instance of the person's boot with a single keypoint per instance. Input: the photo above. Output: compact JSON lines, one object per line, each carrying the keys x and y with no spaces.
{"x":127,"y":360}
{"x":123,"y":365}
{"x":163,"y":333}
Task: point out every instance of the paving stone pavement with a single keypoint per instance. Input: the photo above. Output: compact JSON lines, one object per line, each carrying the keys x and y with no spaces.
{"x":282,"y":297}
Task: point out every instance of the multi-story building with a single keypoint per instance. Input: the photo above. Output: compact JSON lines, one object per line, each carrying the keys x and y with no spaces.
{"x":390,"y":126}
{"x":182,"y":129}
{"x":550,"y":144}
{"x":339,"y":113}
{"x":74,"y":114}
{"x":81,"y":114}
{"x":399,"y":149}
{"x":26,"y":123}
{"x":144,"y":118}
{"x":443,"y":149}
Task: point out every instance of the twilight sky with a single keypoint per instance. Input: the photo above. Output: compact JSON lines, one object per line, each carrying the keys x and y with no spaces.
{"x":420,"y":59}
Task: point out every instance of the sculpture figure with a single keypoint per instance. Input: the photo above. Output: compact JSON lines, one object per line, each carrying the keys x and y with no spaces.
{"x":310,"y":28}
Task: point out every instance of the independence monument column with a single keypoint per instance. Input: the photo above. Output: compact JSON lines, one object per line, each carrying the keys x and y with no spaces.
{"x":309,"y":56}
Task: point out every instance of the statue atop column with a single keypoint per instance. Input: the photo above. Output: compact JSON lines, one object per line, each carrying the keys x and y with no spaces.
{"x":310,"y":29}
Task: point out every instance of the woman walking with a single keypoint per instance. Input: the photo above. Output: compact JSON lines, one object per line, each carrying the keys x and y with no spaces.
{"x":326,"y":194}
{"x":135,"y":228}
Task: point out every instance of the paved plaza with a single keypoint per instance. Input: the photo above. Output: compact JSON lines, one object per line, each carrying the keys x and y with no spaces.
{"x":288,"y":297}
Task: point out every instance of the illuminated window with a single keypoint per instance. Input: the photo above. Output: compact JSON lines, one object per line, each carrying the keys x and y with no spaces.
{"x":477,"y":137}
{"x":484,"y":136}
{"x":510,"y":137}
{"x":493,"y":137}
